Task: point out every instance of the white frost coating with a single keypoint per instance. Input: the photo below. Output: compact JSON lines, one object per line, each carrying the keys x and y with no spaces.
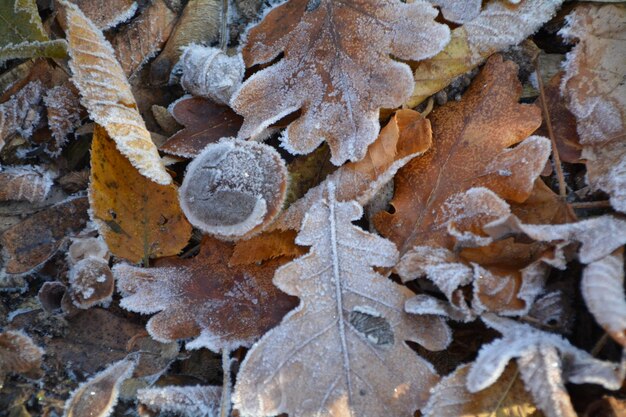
{"x":337,"y":68}
{"x":123,"y":16}
{"x":315,"y":362}
{"x":25,"y":183}
{"x":63,"y":110}
{"x":499,"y":26}
{"x":107,"y":95}
{"x":209,"y":72}
{"x":426,"y":304}
{"x":602,"y":287}
{"x":188,"y":401}
{"x":100,"y":393}
{"x":521,"y":340}
{"x":91,"y":282}
{"x":84,"y":247}
{"x":233,"y":188}
{"x":21,"y":113}
{"x":459,"y":11}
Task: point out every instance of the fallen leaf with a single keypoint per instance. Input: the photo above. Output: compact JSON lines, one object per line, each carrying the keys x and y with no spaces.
{"x":21,"y":113}
{"x":337,"y":69}
{"x":222,"y":307}
{"x":205,"y":122}
{"x":25,"y":183}
{"x":64,"y":114}
{"x":143,"y":38}
{"x":189,"y":401}
{"x":459,"y":11}
{"x":593,"y":85}
{"x":607,"y":407}
{"x":91,"y":282}
{"x":98,"y":396}
{"x":18,"y":353}
{"x":343,"y":351}
{"x":199,"y":23}
{"x":22,"y":34}
{"x":508,"y":398}
{"x":107,"y":96}
{"x":234,"y":188}
{"x":33,"y":241}
{"x":498,"y":26}
{"x":138,"y":218}
{"x":106,"y":14}
{"x":602,"y":287}
{"x":406,"y":136}
{"x":471,"y":138}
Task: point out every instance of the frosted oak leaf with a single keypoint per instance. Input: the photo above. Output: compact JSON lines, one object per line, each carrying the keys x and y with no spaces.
{"x":337,"y":69}
{"x":343,"y":350}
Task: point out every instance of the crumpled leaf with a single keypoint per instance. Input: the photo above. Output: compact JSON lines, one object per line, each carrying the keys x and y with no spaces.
{"x":498,"y":26}
{"x":602,"y":287}
{"x":63,"y":110}
{"x":470,"y":150}
{"x":138,"y":218}
{"x":21,"y":113}
{"x":106,"y":14}
{"x":406,"y":136}
{"x":26,"y":183}
{"x":22,"y":34}
{"x":336,"y":69}
{"x":234,"y":188}
{"x":546,"y":361}
{"x":188,"y":401}
{"x":199,"y":23}
{"x":18,"y":353}
{"x":139,"y":41}
{"x":205,"y":122}
{"x":98,"y":396}
{"x":594,"y":87}
{"x":223,"y":307}
{"x":33,"y":241}
{"x":343,"y":351}
{"x":107,"y":95}
{"x":508,"y":398}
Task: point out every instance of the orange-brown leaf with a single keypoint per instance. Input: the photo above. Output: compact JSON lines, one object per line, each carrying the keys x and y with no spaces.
{"x":470,"y":141}
{"x":137,"y":217}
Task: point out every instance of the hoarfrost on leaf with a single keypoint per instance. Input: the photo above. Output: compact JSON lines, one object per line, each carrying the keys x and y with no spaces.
{"x":191,"y":401}
{"x":337,"y":69}
{"x":91,"y":282}
{"x":21,"y":113}
{"x":18,"y":353}
{"x":343,"y":350}
{"x":25,"y":183}
{"x":63,"y":111}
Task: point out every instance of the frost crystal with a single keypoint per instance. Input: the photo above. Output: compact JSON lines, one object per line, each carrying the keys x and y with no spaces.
{"x":91,"y":282}
{"x":63,"y":116}
{"x":343,"y":350}
{"x":21,"y":113}
{"x":25,"y":183}
{"x":195,"y":401}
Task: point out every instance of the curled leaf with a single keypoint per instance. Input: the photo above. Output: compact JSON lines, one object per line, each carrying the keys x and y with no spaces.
{"x":106,"y":14}
{"x":234,"y":188}
{"x":63,"y":110}
{"x":28,"y":183}
{"x":91,"y":282}
{"x":21,"y":113}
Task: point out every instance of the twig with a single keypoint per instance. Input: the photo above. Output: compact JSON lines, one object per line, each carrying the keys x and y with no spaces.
{"x":505,"y":394}
{"x":600,"y":344}
{"x":591,"y":204}
{"x":555,"y":152}
{"x":225,"y":402}
{"x":224,"y":26}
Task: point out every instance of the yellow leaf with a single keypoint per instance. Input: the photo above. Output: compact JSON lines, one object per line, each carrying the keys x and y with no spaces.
{"x":137,"y":217}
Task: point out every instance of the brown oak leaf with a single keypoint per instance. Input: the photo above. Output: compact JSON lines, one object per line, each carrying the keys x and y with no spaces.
{"x":223,"y":307}
{"x":470,"y":149}
{"x":337,"y":69}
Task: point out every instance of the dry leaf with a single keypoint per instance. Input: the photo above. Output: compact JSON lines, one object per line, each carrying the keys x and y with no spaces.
{"x":106,"y":14}
{"x":459,"y":11}
{"x":63,"y":109}
{"x":602,"y":287}
{"x":205,"y":122}
{"x":18,"y":353}
{"x":470,"y":149}
{"x":98,"y":396}
{"x":211,"y":73}
{"x":21,"y":113}
{"x":33,"y":241}
{"x":343,"y":351}
{"x":595,"y":89}
{"x":138,"y":218}
{"x":406,"y":136}
{"x":199,"y":23}
{"x":139,"y":41}
{"x":22,"y":34}
{"x":91,"y":282}
{"x":25,"y":183}
{"x":508,"y":398}
{"x":498,"y":26}
{"x":85,"y":247}
{"x":224,"y":307}
{"x":107,"y":96}
{"x":337,"y":69}
{"x":191,"y":401}
{"x":234,"y":188}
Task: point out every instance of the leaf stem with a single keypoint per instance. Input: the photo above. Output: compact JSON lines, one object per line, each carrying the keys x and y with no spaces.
{"x":494,"y":413}
{"x":225,"y":402}
{"x":224,"y":26}
{"x":591,"y":204}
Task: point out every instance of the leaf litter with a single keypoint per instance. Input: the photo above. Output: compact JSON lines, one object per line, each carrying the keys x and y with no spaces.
{"x":429,"y":226}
